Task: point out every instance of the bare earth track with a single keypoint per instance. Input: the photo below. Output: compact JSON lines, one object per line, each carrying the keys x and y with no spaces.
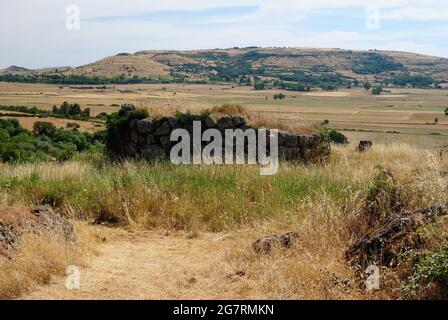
{"x":143,"y":265}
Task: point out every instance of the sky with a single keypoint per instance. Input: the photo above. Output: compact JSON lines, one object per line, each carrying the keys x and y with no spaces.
{"x":44,"y":33}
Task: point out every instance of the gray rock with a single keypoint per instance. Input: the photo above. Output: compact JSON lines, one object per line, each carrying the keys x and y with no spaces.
{"x":150,"y":139}
{"x":266,"y":244}
{"x":131,"y":149}
{"x":165,"y":141}
{"x":154,"y":152}
{"x":225,"y":122}
{"x":163,"y":130}
{"x":185,"y":119}
{"x":364,"y":145}
{"x":134,"y":136}
{"x":173,"y":121}
{"x":291,"y":140}
{"x":238,"y":121}
{"x":144,"y":126}
{"x":133,"y":124}
{"x":126,"y":108}
{"x":281,"y":138}
{"x":209,"y":122}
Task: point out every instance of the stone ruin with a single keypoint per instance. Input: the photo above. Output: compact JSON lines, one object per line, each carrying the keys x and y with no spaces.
{"x":150,"y":138}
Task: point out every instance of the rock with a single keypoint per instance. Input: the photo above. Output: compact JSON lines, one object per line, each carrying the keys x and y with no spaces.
{"x":165,"y":141}
{"x":134,"y":136}
{"x":364,"y":145}
{"x":154,"y":152}
{"x":131,"y":149}
{"x":133,"y":124}
{"x":150,"y":139}
{"x":173,"y":121}
{"x":225,"y":122}
{"x":291,"y":140}
{"x":238,"y":121}
{"x":163,"y":130}
{"x":16,"y":221}
{"x":209,"y":122}
{"x":281,"y":138}
{"x":185,"y":119}
{"x":266,"y":244}
{"x":383,"y":245}
{"x":126,"y":108}
{"x":144,"y":125}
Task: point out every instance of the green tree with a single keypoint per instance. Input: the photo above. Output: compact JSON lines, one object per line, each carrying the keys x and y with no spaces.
{"x":367,"y":85}
{"x":377,"y":90}
{"x":85,"y":113}
{"x":44,"y":128}
{"x":259,"y":85}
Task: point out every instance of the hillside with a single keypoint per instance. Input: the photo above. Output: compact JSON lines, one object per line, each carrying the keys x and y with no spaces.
{"x":308,"y":66}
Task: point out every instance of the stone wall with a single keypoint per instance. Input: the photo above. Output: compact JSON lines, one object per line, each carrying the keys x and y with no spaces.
{"x":150,"y":139}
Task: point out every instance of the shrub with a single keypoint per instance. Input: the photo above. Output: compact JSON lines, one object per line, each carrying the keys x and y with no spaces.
{"x":430,"y":267}
{"x":377,"y":90}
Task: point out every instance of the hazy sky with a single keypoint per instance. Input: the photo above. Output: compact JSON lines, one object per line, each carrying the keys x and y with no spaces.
{"x":34,"y":34}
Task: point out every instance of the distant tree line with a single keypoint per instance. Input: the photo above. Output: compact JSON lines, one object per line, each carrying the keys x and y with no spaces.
{"x":66,"y":110}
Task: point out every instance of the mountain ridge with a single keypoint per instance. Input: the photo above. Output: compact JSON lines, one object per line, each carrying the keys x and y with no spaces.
{"x":233,"y":64}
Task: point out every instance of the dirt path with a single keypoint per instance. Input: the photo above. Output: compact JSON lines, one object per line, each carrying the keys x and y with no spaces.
{"x":145,"y":265}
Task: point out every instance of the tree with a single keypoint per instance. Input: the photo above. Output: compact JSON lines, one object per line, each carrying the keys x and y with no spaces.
{"x":44,"y":128}
{"x":446,"y":111}
{"x":377,"y":90}
{"x":259,"y":85}
{"x":436,"y":120}
{"x":367,"y":85}
{"x":74,"y":110}
{"x":85,"y":113}
{"x":279,"y":96}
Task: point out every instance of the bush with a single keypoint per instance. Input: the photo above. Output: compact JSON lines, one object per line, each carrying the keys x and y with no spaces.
{"x":377,"y":90}
{"x":430,"y":267}
{"x":334,"y":136}
{"x":44,"y":143}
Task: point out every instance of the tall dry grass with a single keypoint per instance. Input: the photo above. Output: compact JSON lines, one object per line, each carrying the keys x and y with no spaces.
{"x":42,"y":255}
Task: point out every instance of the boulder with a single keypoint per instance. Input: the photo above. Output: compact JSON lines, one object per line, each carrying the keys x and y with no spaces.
{"x":364,"y":145}
{"x":154,"y":152}
{"x":209,"y":122}
{"x":144,"y":125}
{"x":238,"y":121}
{"x":14,"y":222}
{"x":291,"y":140}
{"x":126,"y":108}
{"x":173,"y":121}
{"x":266,"y":244}
{"x":225,"y":122}
{"x":163,"y":130}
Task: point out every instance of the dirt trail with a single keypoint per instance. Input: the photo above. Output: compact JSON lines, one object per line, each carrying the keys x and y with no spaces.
{"x":145,"y":265}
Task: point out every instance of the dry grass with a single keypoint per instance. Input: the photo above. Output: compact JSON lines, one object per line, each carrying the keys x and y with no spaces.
{"x":242,"y":207}
{"x":40,"y":257}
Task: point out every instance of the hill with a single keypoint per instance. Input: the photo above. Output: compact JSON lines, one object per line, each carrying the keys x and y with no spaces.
{"x":309,"y":66}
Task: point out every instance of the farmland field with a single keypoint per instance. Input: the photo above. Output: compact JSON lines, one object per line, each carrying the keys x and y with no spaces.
{"x":403,"y":115}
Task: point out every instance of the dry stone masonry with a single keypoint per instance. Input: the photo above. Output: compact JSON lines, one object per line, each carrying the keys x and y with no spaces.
{"x":150,"y":138}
